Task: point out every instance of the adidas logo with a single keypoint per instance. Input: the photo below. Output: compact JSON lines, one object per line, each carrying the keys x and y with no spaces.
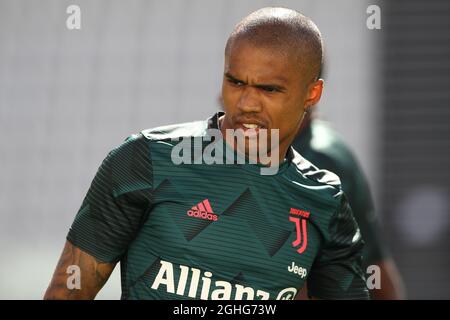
{"x":202,"y":210}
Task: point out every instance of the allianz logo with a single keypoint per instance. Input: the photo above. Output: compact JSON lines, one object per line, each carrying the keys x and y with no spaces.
{"x":191,"y":279}
{"x":302,"y":272}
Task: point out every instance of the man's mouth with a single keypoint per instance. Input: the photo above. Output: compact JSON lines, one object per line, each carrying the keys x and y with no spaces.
{"x":250,"y":126}
{"x":251,"y":130}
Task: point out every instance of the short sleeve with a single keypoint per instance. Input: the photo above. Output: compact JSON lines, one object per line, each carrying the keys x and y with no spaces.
{"x":336,"y":272}
{"x":117,"y":202}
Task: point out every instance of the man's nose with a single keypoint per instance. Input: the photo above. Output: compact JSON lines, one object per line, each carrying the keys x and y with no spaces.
{"x":249,"y":100}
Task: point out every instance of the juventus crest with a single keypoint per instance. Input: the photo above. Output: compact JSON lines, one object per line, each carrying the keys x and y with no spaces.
{"x":299,"y":217}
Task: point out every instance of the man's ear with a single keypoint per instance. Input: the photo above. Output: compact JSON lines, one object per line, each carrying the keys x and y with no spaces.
{"x":314,"y":93}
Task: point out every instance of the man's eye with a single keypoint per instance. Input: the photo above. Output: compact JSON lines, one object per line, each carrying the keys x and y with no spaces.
{"x":236,"y":82}
{"x":270,"y":89}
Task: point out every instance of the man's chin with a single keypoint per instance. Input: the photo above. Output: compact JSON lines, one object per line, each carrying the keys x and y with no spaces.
{"x":253,"y":151}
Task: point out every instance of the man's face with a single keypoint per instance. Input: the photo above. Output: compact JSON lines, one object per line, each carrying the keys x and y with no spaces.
{"x":265,"y":88}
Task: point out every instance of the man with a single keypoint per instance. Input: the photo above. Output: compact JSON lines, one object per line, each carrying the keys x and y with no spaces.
{"x":197,"y":230}
{"x":321,"y":145}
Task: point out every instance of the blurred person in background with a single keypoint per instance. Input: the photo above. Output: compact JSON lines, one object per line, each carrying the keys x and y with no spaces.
{"x":319,"y":143}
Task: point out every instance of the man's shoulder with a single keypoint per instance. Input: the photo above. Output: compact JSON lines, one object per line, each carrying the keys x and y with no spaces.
{"x":142,"y":142}
{"x":318,"y":181}
{"x":176,"y":131}
{"x":138,"y":154}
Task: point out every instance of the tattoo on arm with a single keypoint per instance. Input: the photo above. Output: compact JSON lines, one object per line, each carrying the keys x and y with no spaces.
{"x":92,"y":275}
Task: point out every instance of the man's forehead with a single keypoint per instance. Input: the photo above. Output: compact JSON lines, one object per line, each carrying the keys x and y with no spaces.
{"x":265,"y":62}
{"x":266,"y":78}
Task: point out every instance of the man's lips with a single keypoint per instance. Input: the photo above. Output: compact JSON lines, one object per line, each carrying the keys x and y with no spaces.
{"x":250,"y":124}
{"x":250,"y":128}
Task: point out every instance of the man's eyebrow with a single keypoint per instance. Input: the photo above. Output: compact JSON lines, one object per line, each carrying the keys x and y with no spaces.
{"x":270,"y":86}
{"x":229,"y":76}
{"x":259,"y":85}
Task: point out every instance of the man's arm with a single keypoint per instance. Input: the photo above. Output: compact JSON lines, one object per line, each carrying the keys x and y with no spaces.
{"x":392,"y":287}
{"x":108,"y":220}
{"x":93,"y":275}
{"x":336,"y":273}
{"x":111,"y":215}
{"x":376,"y":250}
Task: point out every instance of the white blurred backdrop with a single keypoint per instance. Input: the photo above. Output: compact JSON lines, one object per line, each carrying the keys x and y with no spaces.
{"x":67,"y":97}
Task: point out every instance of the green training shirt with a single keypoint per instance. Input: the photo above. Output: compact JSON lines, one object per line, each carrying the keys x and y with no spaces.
{"x":323,"y":146}
{"x":218,"y":231}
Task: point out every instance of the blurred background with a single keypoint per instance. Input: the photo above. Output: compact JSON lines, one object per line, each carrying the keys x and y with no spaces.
{"x":67,"y":97}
